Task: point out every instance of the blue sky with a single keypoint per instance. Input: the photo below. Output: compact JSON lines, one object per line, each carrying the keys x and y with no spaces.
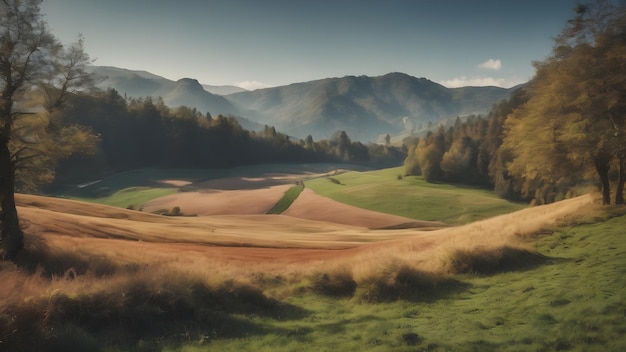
{"x":256,"y":43}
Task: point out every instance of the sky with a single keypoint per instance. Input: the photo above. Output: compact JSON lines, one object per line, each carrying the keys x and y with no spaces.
{"x":262,"y":43}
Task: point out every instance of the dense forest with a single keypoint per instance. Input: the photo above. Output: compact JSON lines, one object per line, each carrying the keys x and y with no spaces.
{"x":468,"y":152}
{"x":566,"y":128}
{"x":135,"y":133}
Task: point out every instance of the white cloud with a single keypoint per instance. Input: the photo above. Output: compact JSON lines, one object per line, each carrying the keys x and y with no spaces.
{"x":464,"y":81}
{"x":491,"y":64}
{"x":252,"y":85}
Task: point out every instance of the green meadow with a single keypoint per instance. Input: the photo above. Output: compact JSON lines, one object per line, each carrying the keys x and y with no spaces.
{"x":131,"y":197}
{"x":384,"y":191}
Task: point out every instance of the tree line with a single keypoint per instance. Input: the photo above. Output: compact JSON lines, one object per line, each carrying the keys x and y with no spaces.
{"x":143,"y":132}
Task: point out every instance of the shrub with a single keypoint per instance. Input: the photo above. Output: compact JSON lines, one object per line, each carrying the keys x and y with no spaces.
{"x":492,"y":261}
{"x":134,"y":310}
{"x":404,"y":282}
{"x":339,"y":284}
{"x":175,"y":211}
{"x":334,"y":180}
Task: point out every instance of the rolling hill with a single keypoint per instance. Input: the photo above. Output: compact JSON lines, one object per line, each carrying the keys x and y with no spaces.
{"x":98,"y":278}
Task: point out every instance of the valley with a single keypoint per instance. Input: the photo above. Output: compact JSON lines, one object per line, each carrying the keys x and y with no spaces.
{"x":344,"y":203}
{"x":409,"y":267}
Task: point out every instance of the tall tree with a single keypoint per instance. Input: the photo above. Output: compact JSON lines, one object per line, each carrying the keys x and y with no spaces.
{"x":31,"y":58}
{"x":575,"y":116}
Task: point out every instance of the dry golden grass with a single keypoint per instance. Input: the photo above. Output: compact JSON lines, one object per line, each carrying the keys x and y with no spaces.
{"x":87,"y":260}
{"x":245,"y":247}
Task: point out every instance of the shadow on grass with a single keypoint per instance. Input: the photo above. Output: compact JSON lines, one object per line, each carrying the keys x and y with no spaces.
{"x":37,"y":256}
{"x":406,"y":283}
{"x":497,"y":260}
{"x":128,"y":307}
{"x":142,"y":312}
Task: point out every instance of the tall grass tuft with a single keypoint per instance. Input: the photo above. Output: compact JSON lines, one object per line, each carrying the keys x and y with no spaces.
{"x":148,"y":306}
{"x":37,"y":255}
{"x":493,"y":260}
{"x":404,"y":282}
{"x":335,"y":284}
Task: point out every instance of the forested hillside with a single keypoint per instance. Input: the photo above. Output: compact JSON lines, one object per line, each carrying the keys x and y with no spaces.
{"x":566,"y":129}
{"x":135,"y":133}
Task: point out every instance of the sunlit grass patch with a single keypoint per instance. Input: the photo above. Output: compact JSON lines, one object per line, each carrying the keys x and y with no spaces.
{"x":412,"y":197}
{"x":132,"y":198}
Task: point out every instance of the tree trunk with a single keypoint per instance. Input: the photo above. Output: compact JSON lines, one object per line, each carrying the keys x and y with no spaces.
{"x":602,"y":165}
{"x":12,"y":236}
{"x":619,"y":193}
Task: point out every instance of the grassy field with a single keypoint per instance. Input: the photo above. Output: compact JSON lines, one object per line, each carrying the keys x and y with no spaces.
{"x":130,"y":197}
{"x":563,"y":290}
{"x":559,"y":288}
{"x":411,"y":196}
{"x":574,"y":301}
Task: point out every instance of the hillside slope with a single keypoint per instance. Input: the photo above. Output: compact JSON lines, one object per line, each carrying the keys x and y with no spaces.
{"x":536,"y":280}
{"x":272,"y":236}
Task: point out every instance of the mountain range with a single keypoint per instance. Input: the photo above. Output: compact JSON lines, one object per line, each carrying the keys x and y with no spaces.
{"x":365,"y":107}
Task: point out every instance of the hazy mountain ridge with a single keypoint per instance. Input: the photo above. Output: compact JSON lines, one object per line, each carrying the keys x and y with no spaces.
{"x":223,"y":90}
{"x":186,"y":91}
{"x":365,"y":107}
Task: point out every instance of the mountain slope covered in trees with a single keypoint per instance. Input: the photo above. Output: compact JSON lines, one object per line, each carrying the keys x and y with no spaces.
{"x":564,"y":130}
